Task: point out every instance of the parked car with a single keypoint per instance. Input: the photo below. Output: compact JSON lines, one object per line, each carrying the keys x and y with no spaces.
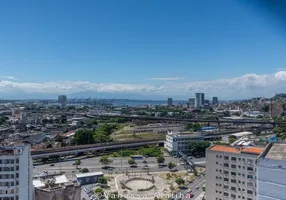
{"x":174,"y":170}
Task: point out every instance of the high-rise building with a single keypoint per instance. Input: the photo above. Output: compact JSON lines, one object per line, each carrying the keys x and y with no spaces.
{"x":231,"y":172}
{"x":215,"y":101}
{"x":62,"y":99}
{"x":16,"y":172}
{"x":170,"y":102}
{"x":199,"y":100}
{"x":271,"y":173}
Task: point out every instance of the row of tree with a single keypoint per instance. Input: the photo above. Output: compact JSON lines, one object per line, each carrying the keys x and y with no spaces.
{"x":193,"y":127}
{"x":101,"y":135}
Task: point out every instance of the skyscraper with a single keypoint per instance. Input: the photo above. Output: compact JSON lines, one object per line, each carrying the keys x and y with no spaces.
{"x":62,"y":99}
{"x":170,"y":102}
{"x":16,"y":172}
{"x":199,"y":100}
{"x":215,"y":100}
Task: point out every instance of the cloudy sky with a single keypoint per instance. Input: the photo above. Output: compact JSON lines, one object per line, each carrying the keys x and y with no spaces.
{"x":140,"y":49}
{"x":246,"y":86}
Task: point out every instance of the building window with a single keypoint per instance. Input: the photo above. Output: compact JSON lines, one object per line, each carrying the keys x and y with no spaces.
{"x":225,"y":194}
{"x":233,"y":196}
{"x":233,"y":180}
{"x":233,"y":173}
{"x":225,"y":179}
{"x":226,"y":172}
{"x":250,"y":169}
{"x":249,"y":192}
{"x":249,"y":184}
{"x":233,"y":166}
{"x":226,"y":157}
{"x":249,"y":161}
{"x":233,"y":188}
{"x":226,"y":165}
{"x":249,"y":176}
{"x":233,"y":158}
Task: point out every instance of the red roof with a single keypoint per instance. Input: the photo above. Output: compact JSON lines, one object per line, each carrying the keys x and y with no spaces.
{"x":225,"y":149}
{"x":252,"y":150}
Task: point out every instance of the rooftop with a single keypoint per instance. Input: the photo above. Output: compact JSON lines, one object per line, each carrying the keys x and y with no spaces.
{"x":62,"y":179}
{"x":225,"y":149}
{"x":277,"y":152}
{"x":249,"y":150}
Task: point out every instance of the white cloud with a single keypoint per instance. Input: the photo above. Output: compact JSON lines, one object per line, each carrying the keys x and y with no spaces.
{"x":9,"y":77}
{"x":244,"y":86}
{"x":165,"y":79}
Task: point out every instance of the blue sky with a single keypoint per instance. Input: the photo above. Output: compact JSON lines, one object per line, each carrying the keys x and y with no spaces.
{"x":144,"y":47}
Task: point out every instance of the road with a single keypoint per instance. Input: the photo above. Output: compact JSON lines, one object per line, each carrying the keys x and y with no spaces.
{"x":119,"y":165}
{"x":192,"y":188}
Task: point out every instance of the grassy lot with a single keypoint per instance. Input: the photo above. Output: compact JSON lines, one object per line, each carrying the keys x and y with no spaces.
{"x":124,"y":134}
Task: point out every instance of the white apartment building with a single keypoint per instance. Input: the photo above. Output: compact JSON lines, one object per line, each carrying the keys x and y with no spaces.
{"x":16,"y":173}
{"x":271,"y":173}
{"x":231,"y":173}
{"x":176,"y":142}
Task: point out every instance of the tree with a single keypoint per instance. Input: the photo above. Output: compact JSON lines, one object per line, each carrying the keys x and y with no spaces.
{"x":278,"y":130}
{"x":171,"y":165}
{"x":49,"y":146}
{"x":105,"y":160}
{"x":160,"y":159}
{"x":101,"y":137}
{"x":131,"y":161}
{"x":198,"y":148}
{"x":59,"y":138}
{"x":84,"y":170}
{"x":102,"y":180}
{"x":265,"y":108}
{"x":45,"y":121}
{"x":180,"y":181}
{"x":83,"y":136}
{"x":194,"y":127}
{"x":99,"y":191}
{"x":231,"y":140}
{"x":92,"y":122}
{"x":77,"y":162}
{"x":63,"y":119}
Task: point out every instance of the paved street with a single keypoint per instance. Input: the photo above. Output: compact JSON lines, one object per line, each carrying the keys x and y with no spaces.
{"x":192,"y":188}
{"x":119,"y":165}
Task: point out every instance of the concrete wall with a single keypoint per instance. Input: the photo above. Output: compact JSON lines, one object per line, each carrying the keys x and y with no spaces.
{"x":210,"y":174}
{"x":26,"y":189}
{"x":68,"y":193}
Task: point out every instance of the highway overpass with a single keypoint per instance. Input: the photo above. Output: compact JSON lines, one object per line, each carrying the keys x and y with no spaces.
{"x":235,"y":121}
{"x":95,"y":147}
{"x":110,"y":146}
